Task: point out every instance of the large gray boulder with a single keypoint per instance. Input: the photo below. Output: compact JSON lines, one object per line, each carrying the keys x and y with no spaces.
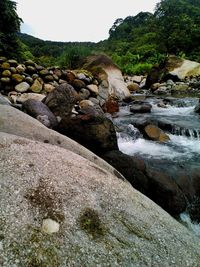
{"x":16,"y":122}
{"x":59,"y":209}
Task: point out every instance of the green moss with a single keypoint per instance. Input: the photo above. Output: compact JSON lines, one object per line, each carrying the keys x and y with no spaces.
{"x":90,"y":222}
{"x":85,"y":72}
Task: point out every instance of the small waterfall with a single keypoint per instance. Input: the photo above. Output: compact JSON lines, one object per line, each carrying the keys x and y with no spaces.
{"x":191,"y":133}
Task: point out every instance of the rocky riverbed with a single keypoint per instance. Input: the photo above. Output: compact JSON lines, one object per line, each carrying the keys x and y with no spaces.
{"x":150,"y":137}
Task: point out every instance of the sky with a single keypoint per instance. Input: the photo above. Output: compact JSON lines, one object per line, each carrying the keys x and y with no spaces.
{"x":76,"y":20}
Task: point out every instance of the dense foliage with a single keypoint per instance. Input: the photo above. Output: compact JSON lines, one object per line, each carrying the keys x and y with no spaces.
{"x":135,"y":43}
{"x":9,"y":26}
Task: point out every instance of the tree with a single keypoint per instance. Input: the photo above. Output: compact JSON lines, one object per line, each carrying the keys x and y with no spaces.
{"x":9,"y":27}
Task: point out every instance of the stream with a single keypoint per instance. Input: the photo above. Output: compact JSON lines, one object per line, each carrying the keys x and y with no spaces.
{"x":182,"y":125}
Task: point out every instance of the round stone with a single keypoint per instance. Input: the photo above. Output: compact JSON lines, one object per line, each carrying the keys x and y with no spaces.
{"x":50,"y":226}
{"x":22,"y":87}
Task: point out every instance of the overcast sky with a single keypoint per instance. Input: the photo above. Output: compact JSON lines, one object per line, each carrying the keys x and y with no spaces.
{"x":73,"y":20}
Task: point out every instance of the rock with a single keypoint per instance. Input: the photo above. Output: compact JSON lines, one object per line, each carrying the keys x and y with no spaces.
{"x":155,"y":86}
{"x":141,"y":108}
{"x":17,"y":78}
{"x":94,"y":100}
{"x":85,"y":103}
{"x":30,"y":69}
{"x":57,"y":72}
{"x":30,"y":63}
{"x":92,"y":130}
{"x":22,"y":87}
{"x":48,"y":87}
{"x":5,"y":80}
{"x":111,"y":106}
{"x":4,"y":100}
{"x":181,"y":68}
{"x":37,"y":86}
{"x":93,"y":88}
{"x":13,"y":70}
{"x":49,"y":78}
{"x":35,"y":76}
{"x":21,"y":98}
{"x":29,"y":80}
{"x":2,"y":59}
{"x":12,"y":62}
{"x":36,"y":108}
{"x":197,"y":108}
{"x":84,"y":94}
{"x":5,"y":66}
{"x":11,"y":121}
{"x":44,"y":72}
{"x":181,"y":86}
{"x":162,"y":90}
{"x":69,"y":76}
{"x":6,"y":73}
{"x":78,"y":84}
{"x":20,"y":69}
{"x":103,"y":68}
{"x":103,"y":220}
{"x":133,"y":87}
{"x":50,"y":226}
{"x":155,"y":134}
{"x":153,"y":77}
{"x":61,"y":100}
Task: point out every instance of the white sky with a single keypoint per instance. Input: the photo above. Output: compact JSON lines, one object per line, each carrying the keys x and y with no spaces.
{"x":73,"y":20}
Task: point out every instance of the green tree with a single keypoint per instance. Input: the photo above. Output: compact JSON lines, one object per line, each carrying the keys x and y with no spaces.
{"x":9,"y":27}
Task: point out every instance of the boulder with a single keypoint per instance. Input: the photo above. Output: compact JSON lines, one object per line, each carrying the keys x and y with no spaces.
{"x":93,"y":88}
{"x":151,"y":180}
{"x":20,"y":69}
{"x":6,"y":73}
{"x":85,"y":103}
{"x":197,"y":108}
{"x":84,"y":94}
{"x":21,"y":98}
{"x":103,"y":68}
{"x":154,"y":133}
{"x":59,"y":209}
{"x":5,"y":66}
{"x":17,"y":78}
{"x":111,"y":106}
{"x":78,"y":84}
{"x":48,"y":87}
{"x":11,"y":121}
{"x":61,"y":100}
{"x":91,"y":129}
{"x":181,"y":68}
{"x":41,"y":112}
{"x":4,"y":100}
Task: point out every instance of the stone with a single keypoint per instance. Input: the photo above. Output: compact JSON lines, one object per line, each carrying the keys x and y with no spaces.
{"x":181,"y":86}
{"x":141,"y":108}
{"x":48,"y":87}
{"x":94,"y":100}
{"x":103,"y":220}
{"x":44,"y":72}
{"x":21,"y":98}
{"x":35,"y":76}
{"x":11,"y":121}
{"x":84,"y":94}
{"x":69,"y":76}
{"x":2,"y":59}
{"x":61,"y":100}
{"x":92,"y":130}
{"x":30,"y":63}
{"x":197,"y":108}
{"x":5,"y":66}
{"x":6,"y":73}
{"x":50,"y":226}
{"x":17,"y":78}
{"x":133,"y":87}
{"x":48,"y":78}
{"x":29,"y":80}
{"x":137,"y":78}
{"x":103,"y":68}
{"x":13,"y":70}
{"x":155,"y":86}
{"x":37,"y":86}
{"x":30,"y":69}
{"x":111,"y":105}
{"x":93,"y":88}
{"x":5,"y":80}
{"x":12,"y":62}
{"x":85,"y":103}
{"x":78,"y":84}
{"x":4,"y":100}
{"x":36,"y":108}
{"x":155,"y":134}
{"x":22,"y":87}
{"x":153,"y":77}
{"x":20,"y":69}
{"x":58,"y":72}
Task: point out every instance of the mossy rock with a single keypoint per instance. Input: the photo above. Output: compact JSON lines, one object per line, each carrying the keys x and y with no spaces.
{"x":5,"y":80}
{"x":5,"y":66}
{"x":12,"y":62}
{"x":6,"y":73}
{"x":17,"y":78}
{"x":85,"y":72}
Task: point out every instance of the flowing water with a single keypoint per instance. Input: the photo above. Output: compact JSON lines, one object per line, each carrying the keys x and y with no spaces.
{"x":182,"y":125}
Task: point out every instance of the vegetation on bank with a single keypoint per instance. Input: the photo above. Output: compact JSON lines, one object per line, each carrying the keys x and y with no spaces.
{"x":135,"y":43}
